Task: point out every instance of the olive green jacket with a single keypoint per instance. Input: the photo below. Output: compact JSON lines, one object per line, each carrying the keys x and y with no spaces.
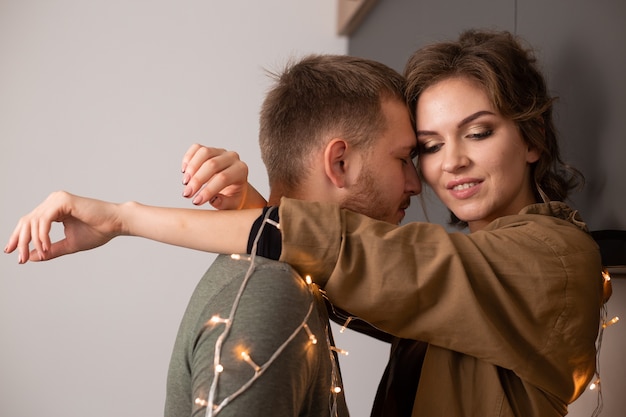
{"x":510,"y":313}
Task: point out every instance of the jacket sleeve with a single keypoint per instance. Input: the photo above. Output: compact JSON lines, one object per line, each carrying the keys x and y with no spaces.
{"x":523,"y":295}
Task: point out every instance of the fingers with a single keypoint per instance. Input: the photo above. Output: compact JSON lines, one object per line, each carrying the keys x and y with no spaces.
{"x":33,"y":229}
{"x":219,"y":177}
{"x":20,"y":239}
{"x":12,"y":244}
{"x":196,"y":156}
{"x":43,"y":237}
{"x":210,"y":171}
{"x":27,"y":233}
{"x":229,"y":184}
{"x":188,"y":155}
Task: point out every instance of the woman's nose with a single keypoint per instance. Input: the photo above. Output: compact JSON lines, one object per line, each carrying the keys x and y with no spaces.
{"x":454,"y":158}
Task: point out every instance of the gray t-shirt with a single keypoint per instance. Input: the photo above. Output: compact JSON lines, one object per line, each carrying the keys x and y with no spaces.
{"x":271,"y":309}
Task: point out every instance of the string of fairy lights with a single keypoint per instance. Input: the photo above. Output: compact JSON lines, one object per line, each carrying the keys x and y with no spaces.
{"x":604,"y":323}
{"x":213,"y":407}
{"x":212,"y":404}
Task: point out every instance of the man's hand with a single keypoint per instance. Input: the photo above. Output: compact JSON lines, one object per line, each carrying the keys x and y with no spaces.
{"x":219,"y":177}
{"x":87,"y":224}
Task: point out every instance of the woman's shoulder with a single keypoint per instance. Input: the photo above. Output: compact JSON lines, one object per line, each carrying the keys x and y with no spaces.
{"x":553,"y":224}
{"x":556,"y":210}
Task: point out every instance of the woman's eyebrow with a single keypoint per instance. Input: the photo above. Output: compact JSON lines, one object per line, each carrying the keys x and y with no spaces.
{"x":473,"y":117}
{"x":462,"y":123}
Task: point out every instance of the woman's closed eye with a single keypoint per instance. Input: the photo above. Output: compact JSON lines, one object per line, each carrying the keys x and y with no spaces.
{"x":480,"y":134}
{"x":430,"y":147}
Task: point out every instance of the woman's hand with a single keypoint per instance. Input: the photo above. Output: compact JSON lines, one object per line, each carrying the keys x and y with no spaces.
{"x":87,"y":224}
{"x":219,"y":177}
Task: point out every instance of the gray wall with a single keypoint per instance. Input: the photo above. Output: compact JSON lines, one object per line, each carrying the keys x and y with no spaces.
{"x":102,"y":98}
{"x":581,"y":45}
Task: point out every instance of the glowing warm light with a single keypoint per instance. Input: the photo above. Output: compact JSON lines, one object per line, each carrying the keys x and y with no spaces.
{"x":201,"y":402}
{"x":594,"y":384}
{"x":340,"y":351}
{"x":308,"y":279}
{"x":219,"y":368}
{"x":249,"y":361}
{"x":218,"y":319}
{"x":610,"y":322}
{"x":238,"y":257}
{"x":336,"y":390}
{"x":345,"y":325}
{"x":312,"y":337}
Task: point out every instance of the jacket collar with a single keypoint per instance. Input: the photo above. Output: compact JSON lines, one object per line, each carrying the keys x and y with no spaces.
{"x":559,"y":210}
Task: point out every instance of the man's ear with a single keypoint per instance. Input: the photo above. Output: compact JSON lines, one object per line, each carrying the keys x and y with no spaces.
{"x":335,"y":155}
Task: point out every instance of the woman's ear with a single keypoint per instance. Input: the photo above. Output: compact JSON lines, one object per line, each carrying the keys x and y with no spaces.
{"x":335,"y":155}
{"x":532,"y":154}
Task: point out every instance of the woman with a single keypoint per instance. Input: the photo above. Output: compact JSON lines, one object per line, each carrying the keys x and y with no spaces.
{"x":509,"y":312}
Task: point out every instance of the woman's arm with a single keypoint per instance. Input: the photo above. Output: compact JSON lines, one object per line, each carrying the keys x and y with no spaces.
{"x":528,"y":284}
{"x":90,"y":223}
{"x":209,"y":174}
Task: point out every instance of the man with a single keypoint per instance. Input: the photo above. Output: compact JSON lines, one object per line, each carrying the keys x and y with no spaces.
{"x":333,"y":129}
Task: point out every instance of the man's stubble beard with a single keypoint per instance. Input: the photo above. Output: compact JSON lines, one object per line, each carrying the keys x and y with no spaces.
{"x":366,"y":198}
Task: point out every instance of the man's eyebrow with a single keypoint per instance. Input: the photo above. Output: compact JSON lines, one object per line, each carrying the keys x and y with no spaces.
{"x":408,"y":148}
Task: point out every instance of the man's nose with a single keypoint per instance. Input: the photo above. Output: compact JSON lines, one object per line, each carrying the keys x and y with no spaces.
{"x":413,"y":183}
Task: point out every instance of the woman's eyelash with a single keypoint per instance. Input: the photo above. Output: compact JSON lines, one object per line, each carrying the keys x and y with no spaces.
{"x":430,"y":148}
{"x":481,"y":135}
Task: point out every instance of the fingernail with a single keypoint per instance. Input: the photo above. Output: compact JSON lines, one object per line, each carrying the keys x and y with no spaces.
{"x":186,"y":179}
{"x":184,"y":168}
{"x":197,"y":200}
{"x":187,"y":192}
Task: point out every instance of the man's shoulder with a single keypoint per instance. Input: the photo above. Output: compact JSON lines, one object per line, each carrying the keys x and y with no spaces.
{"x":260,"y":274}
{"x":243,"y":261}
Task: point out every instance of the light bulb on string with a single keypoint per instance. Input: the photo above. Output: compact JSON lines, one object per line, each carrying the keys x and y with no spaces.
{"x":237,"y":257}
{"x":610,"y":322}
{"x":203,"y":403}
{"x":217,"y":319}
{"x":340,"y":351}
{"x":312,"y":337}
{"x":246,"y":357}
{"x":345,"y":325}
